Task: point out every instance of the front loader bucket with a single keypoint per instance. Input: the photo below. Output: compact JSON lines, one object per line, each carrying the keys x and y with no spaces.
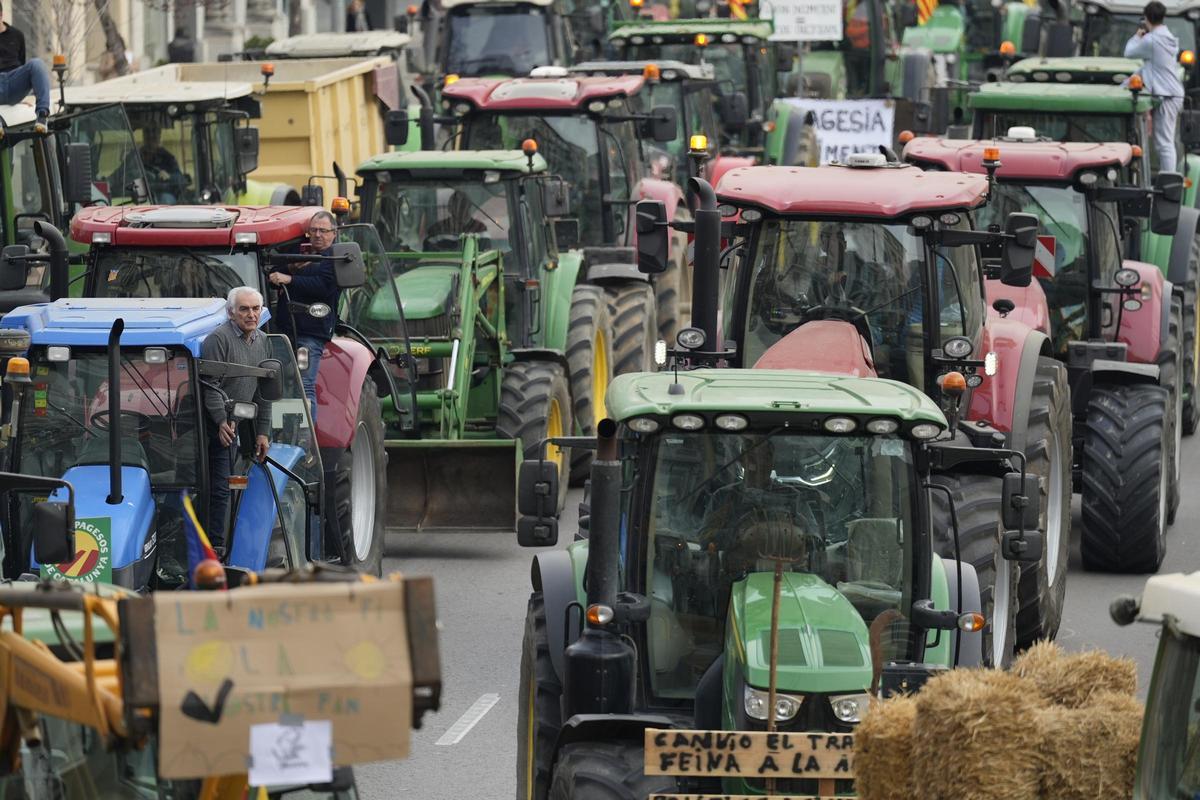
{"x":452,"y":485}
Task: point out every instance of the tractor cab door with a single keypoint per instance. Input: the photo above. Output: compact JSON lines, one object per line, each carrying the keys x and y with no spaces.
{"x":524,"y":312}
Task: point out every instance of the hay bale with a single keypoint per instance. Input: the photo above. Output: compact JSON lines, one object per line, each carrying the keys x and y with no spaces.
{"x":883,"y":750}
{"x":971,"y":738}
{"x":1090,"y":752}
{"x":1071,"y":679}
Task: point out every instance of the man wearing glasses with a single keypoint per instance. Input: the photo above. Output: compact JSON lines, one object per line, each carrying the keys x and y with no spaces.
{"x":307,"y":283}
{"x":239,"y":342}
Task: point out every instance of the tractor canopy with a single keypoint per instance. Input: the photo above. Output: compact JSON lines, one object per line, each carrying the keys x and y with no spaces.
{"x":1019,"y":160}
{"x":561,"y":93}
{"x":339,"y":45}
{"x":1103,"y":70}
{"x":218,"y":226}
{"x":1066,"y":98}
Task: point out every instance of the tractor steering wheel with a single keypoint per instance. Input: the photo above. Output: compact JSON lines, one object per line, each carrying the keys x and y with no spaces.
{"x":100,"y":420}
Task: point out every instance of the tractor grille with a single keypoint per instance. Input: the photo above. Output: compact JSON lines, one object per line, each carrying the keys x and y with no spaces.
{"x":791,"y":651}
{"x":840,"y":648}
{"x":433,"y":328}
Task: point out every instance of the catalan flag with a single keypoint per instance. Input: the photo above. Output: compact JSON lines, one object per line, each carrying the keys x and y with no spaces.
{"x":925,"y":10}
{"x":198,"y":546}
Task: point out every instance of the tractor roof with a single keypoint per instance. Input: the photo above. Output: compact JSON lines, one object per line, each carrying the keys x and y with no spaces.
{"x":1177,"y":596}
{"x":767,"y":390}
{"x":1174,"y":7}
{"x":678,"y":29}
{"x":1051,"y":161}
{"x":86,"y":322}
{"x":668,"y":70}
{"x":330,"y":45}
{"x":20,"y":114}
{"x":1106,"y":70}
{"x":170,"y":83}
{"x":836,"y":191}
{"x":540,"y":94}
{"x":191,"y":226}
{"x":446,"y":5}
{"x":1057,"y":98}
{"x":435,"y":164}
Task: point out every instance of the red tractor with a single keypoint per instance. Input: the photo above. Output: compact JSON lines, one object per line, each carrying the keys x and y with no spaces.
{"x":591,"y":131}
{"x":880,"y":262}
{"x":1114,"y":323}
{"x":190,"y":251}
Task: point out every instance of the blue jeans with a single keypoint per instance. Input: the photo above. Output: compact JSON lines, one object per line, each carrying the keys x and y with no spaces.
{"x":32,"y":76}
{"x":220,"y":463}
{"x":308,"y":378}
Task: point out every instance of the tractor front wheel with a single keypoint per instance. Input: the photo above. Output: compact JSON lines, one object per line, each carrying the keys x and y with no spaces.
{"x":360,"y":488}
{"x":590,"y":356}
{"x":538,"y":715}
{"x":606,"y":771}
{"x":1126,"y":478}
{"x":977,"y":509}
{"x":1170,"y":370}
{"x":631,"y":307}
{"x":536,"y":405}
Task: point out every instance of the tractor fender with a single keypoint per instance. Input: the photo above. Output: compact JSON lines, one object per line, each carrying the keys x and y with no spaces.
{"x":1123,"y":373}
{"x":344,"y":367}
{"x":557,"y":285}
{"x":553,"y":575}
{"x":827,"y":345}
{"x":1030,"y":301}
{"x":722,"y":164}
{"x":1145,"y":330}
{"x":966,"y":648}
{"x":608,"y":728}
{"x":1181,"y":245}
{"x":1026,"y":373}
{"x":1017,"y":347}
{"x":615,"y":272}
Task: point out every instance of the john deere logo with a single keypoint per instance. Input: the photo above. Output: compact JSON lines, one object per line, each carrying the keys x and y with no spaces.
{"x":93,"y":560}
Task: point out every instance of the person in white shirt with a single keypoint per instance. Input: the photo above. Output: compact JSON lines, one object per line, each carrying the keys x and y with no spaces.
{"x":1159,"y":50}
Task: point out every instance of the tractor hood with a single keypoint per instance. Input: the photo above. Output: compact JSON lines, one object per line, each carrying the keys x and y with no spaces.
{"x":823,"y":641}
{"x":427,"y":292}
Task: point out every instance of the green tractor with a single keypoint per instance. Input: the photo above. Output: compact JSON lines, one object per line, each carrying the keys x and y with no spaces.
{"x":1108,"y":24}
{"x":758,"y":556}
{"x":560,"y":305}
{"x":1080,"y":100}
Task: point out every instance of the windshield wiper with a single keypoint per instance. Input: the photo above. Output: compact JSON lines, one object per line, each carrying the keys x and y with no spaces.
{"x":152,"y":395}
{"x":732,"y":461}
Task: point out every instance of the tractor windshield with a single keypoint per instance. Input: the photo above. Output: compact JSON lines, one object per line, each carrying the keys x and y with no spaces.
{"x":115,"y":158}
{"x":867,"y":273}
{"x":727,"y":58}
{"x":1057,"y":125}
{"x":430,"y":215}
{"x":726,"y":505}
{"x":1169,"y":757}
{"x":1105,"y":34}
{"x":172,"y":272}
{"x":497,"y":40}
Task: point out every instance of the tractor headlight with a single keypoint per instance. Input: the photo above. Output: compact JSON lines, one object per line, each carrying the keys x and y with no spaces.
{"x":850,"y":707}
{"x":757,"y":702}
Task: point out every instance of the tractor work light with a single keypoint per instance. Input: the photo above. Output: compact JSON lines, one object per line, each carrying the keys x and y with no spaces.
{"x":698,"y":144}
{"x":58,"y":353}
{"x":1089,"y":178}
{"x":850,"y":707}
{"x":925,"y":430}
{"x":1127,"y":277}
{"x":971,"y":622}
{"x":1132,"y":304}
{"x":596,"y":106}
{"x":751,"y":215}
{"x":651,"y":72}
{"x":245,"y":237}
{"x":302,"y":358}
{"x":1062,"y":77}
{"x":1007,"y":48}
{"x":643,"y":424}
{"x":990,"y":363}
{"x":957,"y":347}
{"x":728,"y":38}
{"x":340,"y":205}
{"x":757,"y":703}
{"x":155,"y":355}
{"x":599,"y":614}
{"x":637,"y":39}
{"x":1136,"y":84}
{"x":688,"y":422}
{"x":731,"y":422}
{"x":101,"y":237}
{"x":949,"y":218}
{"x":921,"y":222}
{"x":883,"y":426}
{"x":14,"y":340}
{"x":17,"y":370}
{"x":690,"y":338}
{"x":318,"y":310}
{"x":660,"y":353}
{"x":840,"y":425}
{"x":461,"y":108}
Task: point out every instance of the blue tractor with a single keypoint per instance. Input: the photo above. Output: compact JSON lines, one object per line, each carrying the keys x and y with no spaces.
{"x":107,"y":394}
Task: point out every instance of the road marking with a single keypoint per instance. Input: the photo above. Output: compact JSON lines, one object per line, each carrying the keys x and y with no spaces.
{"x":469,"y":719}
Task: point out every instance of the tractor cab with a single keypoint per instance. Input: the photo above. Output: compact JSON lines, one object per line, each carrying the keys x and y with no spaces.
{"x":1107,"y":25}
{"x":480,"y":38}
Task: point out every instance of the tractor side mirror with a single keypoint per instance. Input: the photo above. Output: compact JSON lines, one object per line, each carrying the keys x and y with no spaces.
{"x":906,"y":15}
{"x":312,"y":195}
{"x":1189,"y":128}
{"x":1021,"y":546}
{"x":662,"y":125}
{"x":566,"y":233}
{"x":1020,"y":241}
{"x":78,"y":188}
{"x":1020,"y":502}
{"x":1031,"y":33}
{"x":537,"y":502}
{"x":1168,"y":197}
{"x":734,"y":109}
{"x":349,"y":265}
{"x":53,"y":532}
{"x":246,"y":144}
{"x":652,"y":236}
{"x":13,"y":273}
{"x":556,"y":197}
{"x":241,"y":410}
{"x":271,"y":386}
{"x":395,"y":127}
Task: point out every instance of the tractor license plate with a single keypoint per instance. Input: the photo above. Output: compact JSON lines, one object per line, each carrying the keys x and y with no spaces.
{"x":754,"y":755}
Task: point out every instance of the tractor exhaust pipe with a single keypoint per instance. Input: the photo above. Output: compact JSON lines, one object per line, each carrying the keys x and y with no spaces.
{"x":706,"y":269}
{"x":114,"y":412}
{"x":604,"y":528}
{"x":59,"y":278}
{"x":425,"y":120}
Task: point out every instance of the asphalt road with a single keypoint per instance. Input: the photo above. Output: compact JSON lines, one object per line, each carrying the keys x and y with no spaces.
{"x":482,"y":582}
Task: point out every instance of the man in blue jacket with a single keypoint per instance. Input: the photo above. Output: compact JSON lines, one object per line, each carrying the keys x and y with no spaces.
{"x":1159,"y":50}
{"x":310,"y":282}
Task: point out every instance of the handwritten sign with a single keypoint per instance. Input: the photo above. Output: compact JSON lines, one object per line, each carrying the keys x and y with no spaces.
{"x":282,"y":754}
{"x":804,"y":20}
{"x":288,"y":653}
{"x":750,"y":754}
{"x":844,"y":127}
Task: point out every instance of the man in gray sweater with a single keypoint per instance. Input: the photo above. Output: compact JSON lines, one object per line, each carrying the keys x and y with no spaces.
{"x":237,"y":342}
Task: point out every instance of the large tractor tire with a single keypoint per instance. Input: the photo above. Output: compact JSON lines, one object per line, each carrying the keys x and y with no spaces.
{"x":1048,"y":455}
{"x":634,"y":327}
{"x":1170,"y":369}
{"x":360,"y":487}
{"x":1126,"y":478}
{"x":538,"y":716}
{"x":535,"y":404}
{"x":606,"y":771}
{"x":590,"y":357}
{"x":977,"y":508}
{"x":1191,"y":341}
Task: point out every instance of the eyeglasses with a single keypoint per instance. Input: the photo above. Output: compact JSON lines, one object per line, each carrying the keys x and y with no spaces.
{"x":322,"y":231}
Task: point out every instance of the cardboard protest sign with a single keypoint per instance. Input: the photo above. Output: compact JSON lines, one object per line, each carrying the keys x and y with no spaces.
{"x":281,"y":653}
{"x":804,"y":20}
{"x":844,"y":127}
{"x":749,"y":754}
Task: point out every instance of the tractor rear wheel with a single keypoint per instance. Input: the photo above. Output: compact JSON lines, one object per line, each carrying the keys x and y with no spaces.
{"x":538,"y":715}
{"x":631,"y":307}
{"x":590,"y":357}
{"x":360,"y":489}
{"x":1048,"y":455}
{"x":1170,"y":368}
{"x":1126,"y":478}
{"x":977,"y":508}
{"x":535,"y":404}
{"x":605,"y":771}
{"x":1191,"y":341}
